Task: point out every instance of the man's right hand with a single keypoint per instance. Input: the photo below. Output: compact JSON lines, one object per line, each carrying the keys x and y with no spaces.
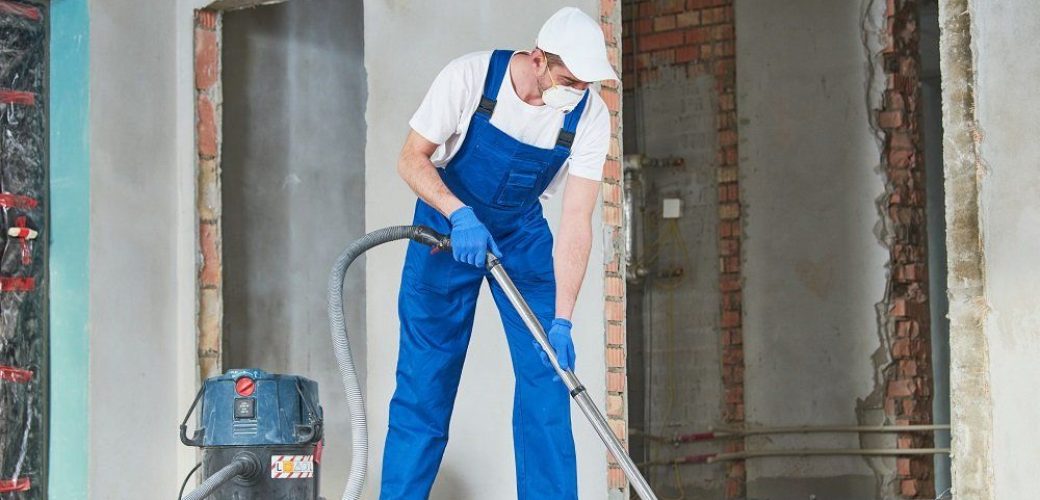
{"x":470,"y":240}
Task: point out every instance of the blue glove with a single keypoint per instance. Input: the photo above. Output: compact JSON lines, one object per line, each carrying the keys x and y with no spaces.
{"x":560,"y":340}
{"x":470,"y":240}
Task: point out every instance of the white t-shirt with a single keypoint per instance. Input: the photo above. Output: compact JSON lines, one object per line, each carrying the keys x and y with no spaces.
{"x":445,"y":112}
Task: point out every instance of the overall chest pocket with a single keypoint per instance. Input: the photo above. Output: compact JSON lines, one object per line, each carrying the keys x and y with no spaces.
{"x":518,"y":187}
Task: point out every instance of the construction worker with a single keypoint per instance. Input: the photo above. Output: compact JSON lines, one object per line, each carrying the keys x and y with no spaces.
{"x":496,"y":132}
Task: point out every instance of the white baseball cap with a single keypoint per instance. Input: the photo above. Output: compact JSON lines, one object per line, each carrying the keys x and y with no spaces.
{"x":578,"y":40}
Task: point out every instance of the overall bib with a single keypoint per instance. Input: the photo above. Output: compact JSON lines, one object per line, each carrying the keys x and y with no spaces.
{"x":501,"y":178}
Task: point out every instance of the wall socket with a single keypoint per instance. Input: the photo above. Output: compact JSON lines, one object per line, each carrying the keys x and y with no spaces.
{"x":671,"y":208}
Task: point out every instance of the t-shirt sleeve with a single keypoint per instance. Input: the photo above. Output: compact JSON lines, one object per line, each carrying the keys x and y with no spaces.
{"x":442,"y":109}
{"x":592,"y":143}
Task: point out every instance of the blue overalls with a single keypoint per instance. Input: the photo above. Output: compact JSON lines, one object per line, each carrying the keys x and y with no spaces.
{"x":501,"y":178}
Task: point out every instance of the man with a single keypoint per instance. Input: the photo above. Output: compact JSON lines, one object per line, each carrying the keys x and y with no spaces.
{"x":497,"y":131}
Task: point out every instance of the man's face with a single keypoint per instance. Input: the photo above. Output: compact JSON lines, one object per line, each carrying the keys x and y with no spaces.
{"x":559,"y":74}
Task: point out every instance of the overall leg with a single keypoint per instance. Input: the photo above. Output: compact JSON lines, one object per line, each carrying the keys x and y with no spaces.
{"x":546,"y":467}
{"x":436,"y":305}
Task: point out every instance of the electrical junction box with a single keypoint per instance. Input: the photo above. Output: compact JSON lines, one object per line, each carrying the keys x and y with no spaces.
{"x":671,"y":208}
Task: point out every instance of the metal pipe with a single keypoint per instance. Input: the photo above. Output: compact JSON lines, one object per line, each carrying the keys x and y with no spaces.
{"x":743,"y":455}
{"x":730,"y":432}
{"x":577,"y":390}
{"x":875,"y":452}
{"x":807,"y":429}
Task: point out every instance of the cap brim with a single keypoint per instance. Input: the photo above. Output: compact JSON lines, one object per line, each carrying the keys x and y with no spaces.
{"x":590,"y":70}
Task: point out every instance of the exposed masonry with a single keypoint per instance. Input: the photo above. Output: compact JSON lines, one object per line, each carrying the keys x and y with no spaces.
{"x":207,"y":146}
{"x":698,"y":36}
{"x":908,"y":373}
{"x":614,"y":245}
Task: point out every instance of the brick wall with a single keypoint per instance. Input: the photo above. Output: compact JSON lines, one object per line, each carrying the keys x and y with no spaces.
{"x":908,"y":397}
{"x":207,"y":148}
{"x":698,"y":36}
{"x":614,"y":283}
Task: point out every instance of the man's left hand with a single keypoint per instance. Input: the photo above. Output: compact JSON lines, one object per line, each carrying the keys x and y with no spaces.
{"x":562,"y":344}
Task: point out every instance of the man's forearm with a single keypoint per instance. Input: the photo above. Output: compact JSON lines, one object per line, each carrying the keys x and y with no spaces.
{"x":421,"y":175}
{"x":572,"y":258}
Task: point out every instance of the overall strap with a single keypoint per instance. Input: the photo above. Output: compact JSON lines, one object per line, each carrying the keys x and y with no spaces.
{"x":497,"y":71}
{"x":570,"y":124}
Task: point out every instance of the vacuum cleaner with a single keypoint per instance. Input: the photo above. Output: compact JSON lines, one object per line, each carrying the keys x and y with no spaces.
{"x":261,"y":433}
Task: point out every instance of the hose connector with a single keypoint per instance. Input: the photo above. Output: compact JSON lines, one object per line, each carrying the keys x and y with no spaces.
{"x":428,"y":236}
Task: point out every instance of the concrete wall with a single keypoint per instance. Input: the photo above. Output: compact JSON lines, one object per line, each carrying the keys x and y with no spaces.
{"x":1007,"y":110}
{"x":407,"y":43}
{"x":814,"y":266}
{"x":134,"y":409}
{"x":293,"y":187}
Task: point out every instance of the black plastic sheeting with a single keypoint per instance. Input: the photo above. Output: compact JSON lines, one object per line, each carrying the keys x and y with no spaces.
{"x":23,"y":260}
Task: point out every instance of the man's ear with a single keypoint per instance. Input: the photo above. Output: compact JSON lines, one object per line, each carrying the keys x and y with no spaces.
{"x":538,"y":57}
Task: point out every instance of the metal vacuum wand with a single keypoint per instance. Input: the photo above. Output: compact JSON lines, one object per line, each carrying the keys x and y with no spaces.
{"x":578,"y":392}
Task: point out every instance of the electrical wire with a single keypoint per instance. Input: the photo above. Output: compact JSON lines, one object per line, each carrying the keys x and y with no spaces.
{"x":180,"y":494}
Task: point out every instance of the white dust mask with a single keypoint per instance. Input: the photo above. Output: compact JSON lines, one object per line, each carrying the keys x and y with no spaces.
{"x":560,"y":97}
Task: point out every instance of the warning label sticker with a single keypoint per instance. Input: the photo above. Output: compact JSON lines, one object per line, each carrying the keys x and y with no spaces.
{"x":292,"y":466}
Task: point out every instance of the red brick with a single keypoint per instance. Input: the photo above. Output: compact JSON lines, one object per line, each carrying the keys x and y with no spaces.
{"x":688,"y":18}
{"x":901,"y":349}
{"x":900,"y":158}
{"x":903,"y":466}
{"x":697,"y":36}
{"x":729,"y":211}
{"x":644,"y":26}
{"x":909,"y":407}
{"x":606,"y":7}
{"x":658,"y":41}
{"x":898,"y":307}
{"x":615,"y":287}
{"x":206,"y":128}
{"x":734,"y":394}
{"x":615,"y":310}
{"x":616,"y":479}
{"x":894,"y":100}
{"x":615,"y":334}
{"x":615,"y":357}
{"x":615,"y":406}
{"x":206,"y":19}
{"x":615,"y":381}
{"x":734,"y":488}
{"x":207,"y":58}
{"x":664,"y":23}
{"x":612,"y":193}
{"x":729,"y":283}
{"x":900,"y":388}
{"x":729,"y":246}
{"x":612,"y":170}
{"x":908,"y":488}
{"x":908,"y":368}
{"x":890,"y":119}
{"x":611,"y":98}
{"x":209,"y":247}
{"x":686,"y":54}
{"x":612,"y":216}
{"x":730,"y":319}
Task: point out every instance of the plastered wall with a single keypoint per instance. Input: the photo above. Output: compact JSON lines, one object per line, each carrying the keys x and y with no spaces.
{"x":134,"y":410}
{"x":1009,"y":208}
{"x":814,"y":265}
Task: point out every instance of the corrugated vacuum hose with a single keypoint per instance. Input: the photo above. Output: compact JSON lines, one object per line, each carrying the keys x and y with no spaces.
{"x":245,"y":465}
{"x":352,"y":387}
